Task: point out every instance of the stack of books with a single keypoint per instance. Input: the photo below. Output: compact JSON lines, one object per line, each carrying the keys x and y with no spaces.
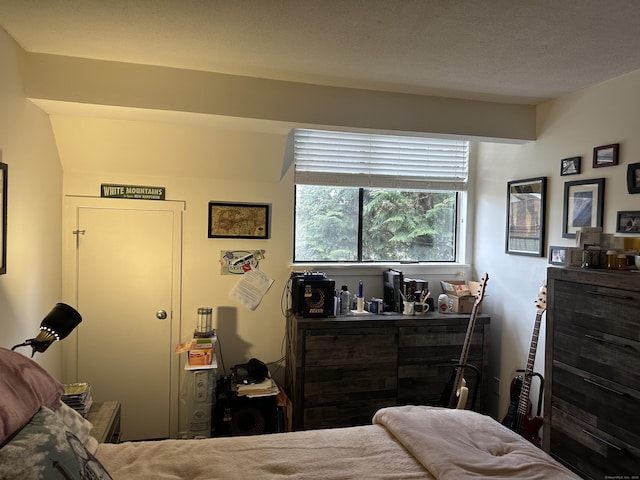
{"x":78,"y":397}
{"x":261,"y":389}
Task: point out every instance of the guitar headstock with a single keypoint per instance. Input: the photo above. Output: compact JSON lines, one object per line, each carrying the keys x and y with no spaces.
{"x":480,"y":293}
{"x":541,"y":301}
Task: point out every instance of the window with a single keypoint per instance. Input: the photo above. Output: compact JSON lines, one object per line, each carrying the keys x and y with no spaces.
{"x":376,"y":198}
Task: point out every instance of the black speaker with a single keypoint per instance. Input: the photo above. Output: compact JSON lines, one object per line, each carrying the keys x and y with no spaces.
{"x":312,"y":297}
{"x":236,"y":416}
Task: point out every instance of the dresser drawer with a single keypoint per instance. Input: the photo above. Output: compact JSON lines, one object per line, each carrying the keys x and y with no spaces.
{"x":599,"y":403}
{"x":425,"y":360}
{"x":337,"y":384}
{"x":608,"y":310}
{"x":344,"y":414}
{"x":350,"y":365}
{"x":362,"y":347}
{"x":591,"y":452}
{"x":596,"y":351}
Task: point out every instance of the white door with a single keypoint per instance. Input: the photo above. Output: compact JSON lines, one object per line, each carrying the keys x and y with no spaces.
{"x":126,"y":278}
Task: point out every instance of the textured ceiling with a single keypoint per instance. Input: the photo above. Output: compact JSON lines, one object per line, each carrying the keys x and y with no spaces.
{"x":499,"y":50}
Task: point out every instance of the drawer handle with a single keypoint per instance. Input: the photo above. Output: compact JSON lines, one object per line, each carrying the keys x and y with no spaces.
{"x":610,"y":294}
{"x":602,"y":340}
{"x":606,"y":442}
{"x":604,"y":387}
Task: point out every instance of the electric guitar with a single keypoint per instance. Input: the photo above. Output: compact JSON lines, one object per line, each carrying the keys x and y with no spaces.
{"x":456,"y":392}
{"x":518,"y":416}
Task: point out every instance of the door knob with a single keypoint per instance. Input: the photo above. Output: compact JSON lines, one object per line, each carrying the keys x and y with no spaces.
{"x":161,"y":314}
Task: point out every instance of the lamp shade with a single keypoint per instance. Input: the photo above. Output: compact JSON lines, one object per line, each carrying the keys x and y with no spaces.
{"x":61,"y":320}
{"x":58,"y":324}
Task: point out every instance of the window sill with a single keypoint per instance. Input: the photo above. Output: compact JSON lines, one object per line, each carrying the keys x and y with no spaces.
{"x":451,"y":269}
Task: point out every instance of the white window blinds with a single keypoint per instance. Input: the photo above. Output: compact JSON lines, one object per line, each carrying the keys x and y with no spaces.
{"x":379,"y":161}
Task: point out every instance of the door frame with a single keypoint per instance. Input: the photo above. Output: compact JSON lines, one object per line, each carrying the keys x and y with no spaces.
{"x":69,"y":347}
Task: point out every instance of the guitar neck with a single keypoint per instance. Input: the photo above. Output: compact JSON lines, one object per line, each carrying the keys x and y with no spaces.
{"x":523,"y":401}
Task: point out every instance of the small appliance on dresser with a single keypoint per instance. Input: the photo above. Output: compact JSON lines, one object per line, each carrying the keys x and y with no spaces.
{"x":312,"y":294}
{"x":592,"y":371}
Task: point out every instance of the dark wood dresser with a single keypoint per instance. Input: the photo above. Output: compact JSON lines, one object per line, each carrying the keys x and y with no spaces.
{"x":342,"y":370}
{"x":592,"y":371}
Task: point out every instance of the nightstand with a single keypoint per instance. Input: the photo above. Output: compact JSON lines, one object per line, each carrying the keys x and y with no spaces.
{"x":105,"y":417}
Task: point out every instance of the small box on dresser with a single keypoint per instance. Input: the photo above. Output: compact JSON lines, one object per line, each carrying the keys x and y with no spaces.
{"x":592,"y":371}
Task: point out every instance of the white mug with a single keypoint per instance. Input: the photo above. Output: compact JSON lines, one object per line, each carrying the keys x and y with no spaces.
{"x":409,"y":308}
{"x":445,"y":304}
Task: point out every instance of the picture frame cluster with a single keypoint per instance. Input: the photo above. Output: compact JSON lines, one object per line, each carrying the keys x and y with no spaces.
{"x":583,"y":205}
{"x":584,"y":200}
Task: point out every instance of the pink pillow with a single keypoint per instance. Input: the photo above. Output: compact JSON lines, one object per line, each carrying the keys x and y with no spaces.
{"x":24,"y":387}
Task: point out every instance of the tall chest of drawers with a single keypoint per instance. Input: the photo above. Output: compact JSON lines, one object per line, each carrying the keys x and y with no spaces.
{"x":592,"y":371}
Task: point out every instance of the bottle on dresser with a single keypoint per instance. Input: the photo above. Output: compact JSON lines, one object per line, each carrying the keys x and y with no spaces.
{"x":345,"y":300}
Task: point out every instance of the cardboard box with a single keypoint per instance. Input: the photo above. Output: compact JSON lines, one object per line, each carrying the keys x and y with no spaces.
{"x":462,"y":294}
{"x":573,"y":257}
{"x":201,"y":351}
{"x":201,"y":356}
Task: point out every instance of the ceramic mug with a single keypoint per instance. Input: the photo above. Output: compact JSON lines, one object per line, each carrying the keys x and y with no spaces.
{"x":444,"y":303}
{"x":420,"y":308}
{"x":409,"y":308}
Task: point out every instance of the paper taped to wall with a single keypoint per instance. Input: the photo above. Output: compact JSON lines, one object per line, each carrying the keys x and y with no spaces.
{"x":251,"y":288}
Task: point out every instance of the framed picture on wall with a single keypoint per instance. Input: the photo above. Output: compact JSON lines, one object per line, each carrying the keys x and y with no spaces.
{"x":557,"y":255}
{"x":583,"y":205}
{"x":570,"y":166}
{"x":238,"y":220}
{"x":526,"y":204}
{"x":628,"y":222}
{"x":3,"y":212}
{"x":606,"y":155}
{"x":633,"y":178}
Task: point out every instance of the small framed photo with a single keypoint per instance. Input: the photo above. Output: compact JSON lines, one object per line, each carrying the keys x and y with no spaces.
{"x":557,"y":255}
{"x":238,"y":220}
{"x":606,"y":155}
{"x":526,"y":206}
{"x":628,"y":222}
{"x":633,"y":178}
{"x":570,"y":166}
{"x":583,"y":205}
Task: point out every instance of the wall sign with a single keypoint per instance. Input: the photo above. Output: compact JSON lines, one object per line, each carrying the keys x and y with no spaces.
{"x":138,"y":192}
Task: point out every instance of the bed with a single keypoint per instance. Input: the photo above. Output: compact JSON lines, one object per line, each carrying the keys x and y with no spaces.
{"x":40,"y":437}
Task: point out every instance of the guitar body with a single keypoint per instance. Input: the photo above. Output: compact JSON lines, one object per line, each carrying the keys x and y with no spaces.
{"x":525,"y":425}
{"x":529,"y":427}
{"x":512,"y":412}
{"x":461,"y":394}
{"x":445,"y":396}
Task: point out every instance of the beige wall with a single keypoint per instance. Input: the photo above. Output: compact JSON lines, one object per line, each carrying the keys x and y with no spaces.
{"x":243,"y":333}
{"x":32,"y":284}
{"x":571,"y":126}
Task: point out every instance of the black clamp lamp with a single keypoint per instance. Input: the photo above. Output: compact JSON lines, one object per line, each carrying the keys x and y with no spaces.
{"x":58,"y":324}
